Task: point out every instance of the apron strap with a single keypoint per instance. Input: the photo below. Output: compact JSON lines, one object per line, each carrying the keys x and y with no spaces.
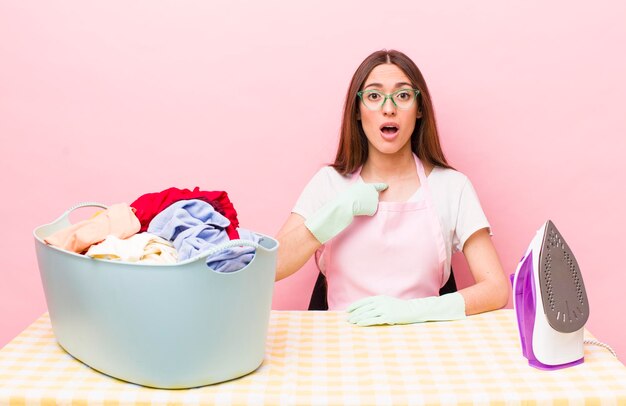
{"x":432,"y":210}
{"x":421,"y":173}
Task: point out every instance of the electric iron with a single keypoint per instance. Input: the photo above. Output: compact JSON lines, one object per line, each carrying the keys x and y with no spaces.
{"x":550,"y":302}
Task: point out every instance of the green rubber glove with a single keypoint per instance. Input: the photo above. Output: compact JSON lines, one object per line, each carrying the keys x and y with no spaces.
{"x":375,"y":310}
{"x":333,"y":217}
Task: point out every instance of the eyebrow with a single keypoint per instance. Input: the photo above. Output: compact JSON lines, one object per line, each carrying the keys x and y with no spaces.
{"x":399,"y":84}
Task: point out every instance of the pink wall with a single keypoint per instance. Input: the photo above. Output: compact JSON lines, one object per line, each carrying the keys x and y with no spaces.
{"x":108,"y":100}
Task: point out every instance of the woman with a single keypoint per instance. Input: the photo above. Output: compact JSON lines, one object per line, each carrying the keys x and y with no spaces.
{"x":386,"y":216}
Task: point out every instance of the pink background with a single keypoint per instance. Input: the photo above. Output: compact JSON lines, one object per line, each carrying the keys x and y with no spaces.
{"x":106,"y":101}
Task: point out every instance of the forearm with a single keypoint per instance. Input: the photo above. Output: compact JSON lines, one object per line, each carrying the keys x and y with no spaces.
{"x":491,"y":290}
{"x":297,"y":245}
{"x":484,"y":296}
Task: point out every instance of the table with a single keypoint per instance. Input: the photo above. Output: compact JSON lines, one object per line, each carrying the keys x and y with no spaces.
{"x":315,"y":358}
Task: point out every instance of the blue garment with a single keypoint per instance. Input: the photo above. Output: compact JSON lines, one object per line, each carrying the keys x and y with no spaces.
{"x":193,"y":226}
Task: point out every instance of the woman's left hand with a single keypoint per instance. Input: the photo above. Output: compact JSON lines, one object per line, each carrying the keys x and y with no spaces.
{"x":376,"y":310}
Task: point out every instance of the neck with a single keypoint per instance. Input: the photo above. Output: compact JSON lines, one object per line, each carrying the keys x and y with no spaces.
{"x":389,"y":167}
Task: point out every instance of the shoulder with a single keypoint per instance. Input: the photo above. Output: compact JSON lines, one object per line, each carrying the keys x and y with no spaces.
{"x":454,"y":189}
{"x":323,"y":186}
{"x":332,"y":173}
{"x":329,"y":178}
{"x":451,"y":188}
{"x":458,"y":204}
{"x":449,"y":178}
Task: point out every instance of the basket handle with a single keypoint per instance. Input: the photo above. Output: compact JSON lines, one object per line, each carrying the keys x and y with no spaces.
{"x":66,"y":214}
{"x":221,"y":247}
{"x":86,"y":204}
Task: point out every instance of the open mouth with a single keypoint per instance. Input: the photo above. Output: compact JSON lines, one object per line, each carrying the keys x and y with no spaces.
{"x":389,"y":130}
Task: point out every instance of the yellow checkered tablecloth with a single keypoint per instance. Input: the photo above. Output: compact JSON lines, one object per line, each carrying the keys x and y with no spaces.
{"x":315,"y":358}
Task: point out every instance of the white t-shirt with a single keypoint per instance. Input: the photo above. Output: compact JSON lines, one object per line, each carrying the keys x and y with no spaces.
{"x":458,"y":208}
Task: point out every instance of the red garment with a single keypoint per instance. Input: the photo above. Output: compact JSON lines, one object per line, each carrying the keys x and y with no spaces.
{"x":149,"y":205}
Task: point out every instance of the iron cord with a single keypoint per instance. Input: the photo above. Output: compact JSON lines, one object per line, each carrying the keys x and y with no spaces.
{"x":601,"y":344}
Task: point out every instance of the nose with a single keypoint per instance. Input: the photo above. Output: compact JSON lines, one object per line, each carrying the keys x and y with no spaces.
{"x":389,"y":109}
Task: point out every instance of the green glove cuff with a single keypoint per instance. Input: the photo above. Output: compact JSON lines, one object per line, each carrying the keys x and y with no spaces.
{"x":438,"y":308}
{"x":332,"y":218}
{"x":329,"y":221}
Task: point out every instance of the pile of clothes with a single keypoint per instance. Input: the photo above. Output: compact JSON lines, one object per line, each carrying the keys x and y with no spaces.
{"x":162,"y":228}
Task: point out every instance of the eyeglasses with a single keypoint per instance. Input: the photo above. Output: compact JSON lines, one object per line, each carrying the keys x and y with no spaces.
{"x":375,"y":99}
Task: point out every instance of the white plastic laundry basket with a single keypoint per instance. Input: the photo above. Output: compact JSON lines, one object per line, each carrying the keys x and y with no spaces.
{"x":164,"y":326}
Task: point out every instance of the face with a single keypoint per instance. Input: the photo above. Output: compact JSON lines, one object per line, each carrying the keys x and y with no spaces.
{"x":389,"y":129}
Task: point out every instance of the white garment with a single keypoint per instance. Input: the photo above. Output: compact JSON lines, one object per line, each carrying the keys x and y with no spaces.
{"x":143,"y":248}
{"x":458,"y":208}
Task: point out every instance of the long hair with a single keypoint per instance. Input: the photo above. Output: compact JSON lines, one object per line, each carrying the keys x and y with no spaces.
{"x":352,"y":150}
